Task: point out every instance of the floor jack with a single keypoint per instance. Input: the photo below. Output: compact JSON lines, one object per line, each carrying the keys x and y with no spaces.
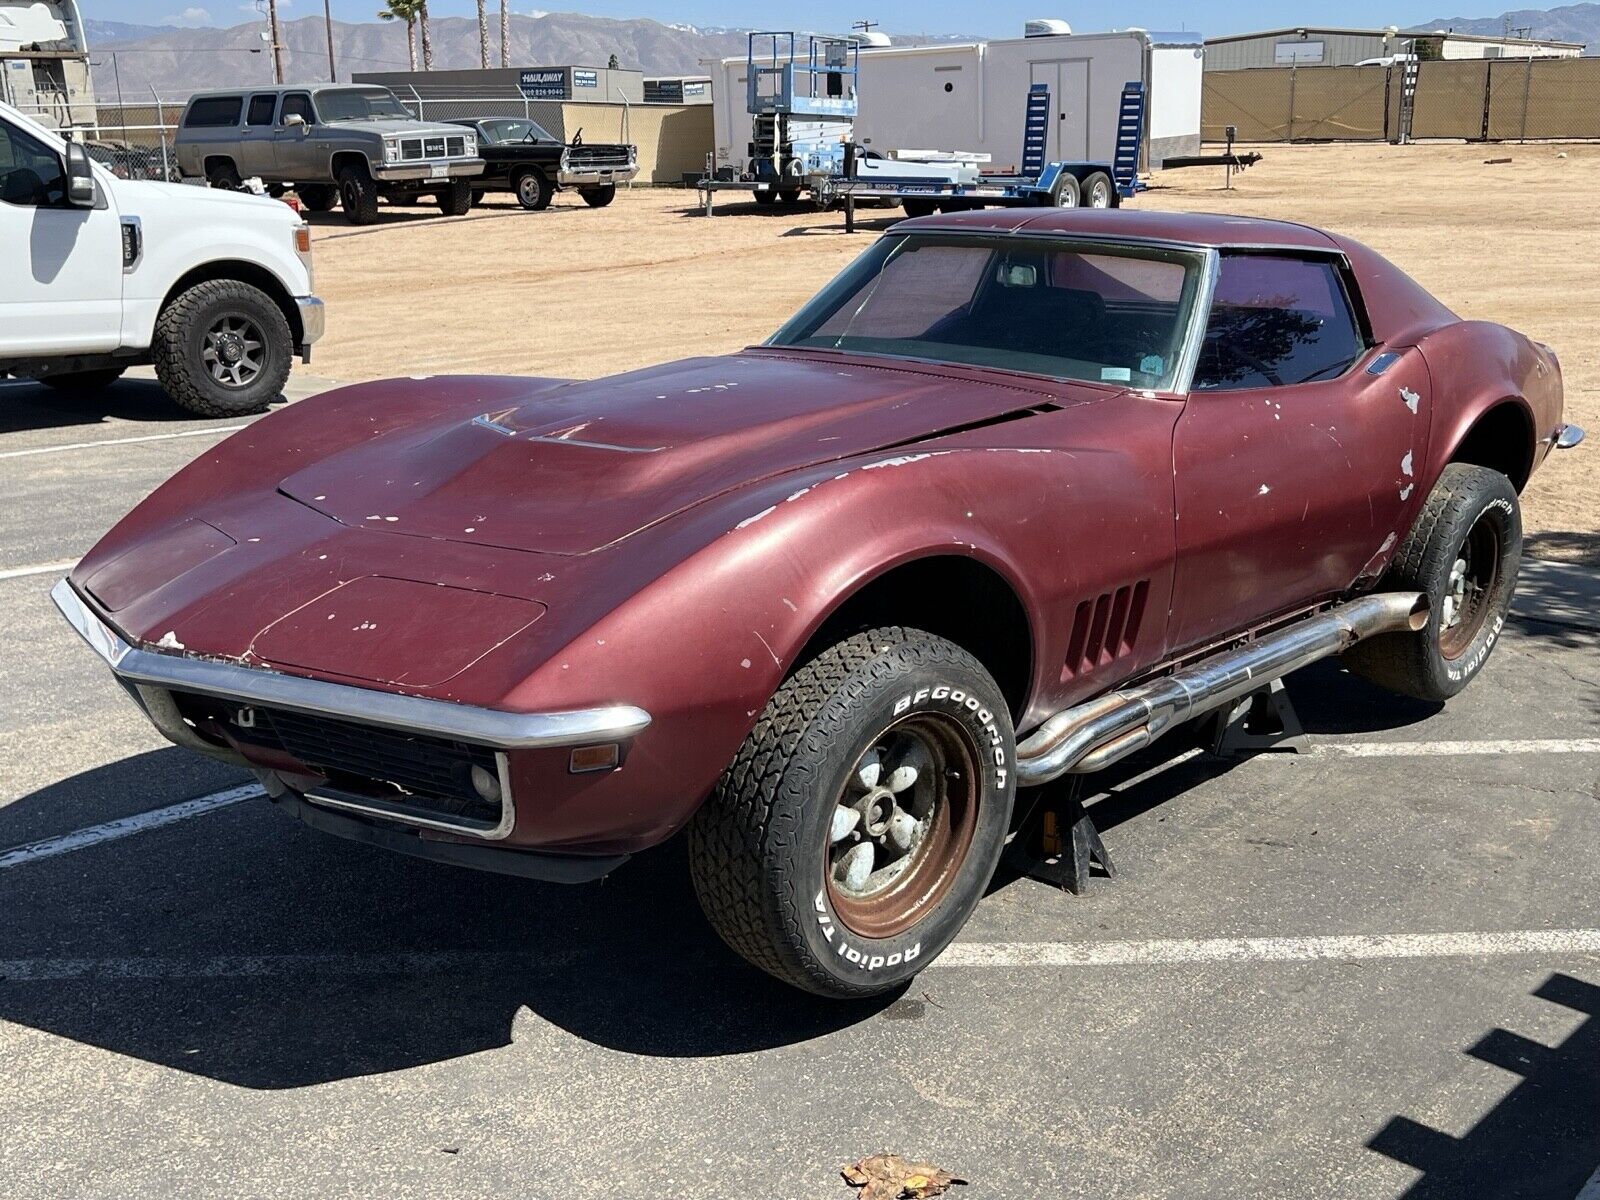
{"x":1058,"y":843}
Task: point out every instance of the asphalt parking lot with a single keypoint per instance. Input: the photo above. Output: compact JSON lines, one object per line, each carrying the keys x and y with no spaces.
{"x":1369,"y":970}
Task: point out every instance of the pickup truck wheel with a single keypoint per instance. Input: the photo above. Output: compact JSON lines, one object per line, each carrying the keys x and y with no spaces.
{"x":533,"y":191}
{"x":599,"y":197}
{"x":223,"y":349}
{"x":1462,"y":553}
{"x":83,"y":381}
{"x":223,"y":175}
{"x":358,"y":196}
{"x":856,"y":829}
{"x":456,"y":200}
{"x":317,"y":197}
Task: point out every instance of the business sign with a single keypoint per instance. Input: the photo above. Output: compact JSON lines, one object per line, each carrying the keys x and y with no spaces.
{"x":1287,"y":53}
{"x":694,"y":89}
{"x":544,"y":85}
{"x":585,"y":78}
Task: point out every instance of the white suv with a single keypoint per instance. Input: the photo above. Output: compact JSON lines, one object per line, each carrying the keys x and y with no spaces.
{"x":98,"y":274}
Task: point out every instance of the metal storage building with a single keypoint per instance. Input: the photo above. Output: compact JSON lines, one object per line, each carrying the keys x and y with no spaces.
{"x":971,"y":96}
{"x":1307,"y":46}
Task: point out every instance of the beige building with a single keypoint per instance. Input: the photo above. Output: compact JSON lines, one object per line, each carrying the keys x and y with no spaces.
{"x":1306,"y":46}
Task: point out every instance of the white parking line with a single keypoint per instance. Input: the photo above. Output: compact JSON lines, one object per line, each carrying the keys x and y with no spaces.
{"x":127,"y":441}
{"x":54,"y":568}
{"x":1344,"y":948}
{"x":1418,"y":749}
{"x":963,"y":956}
{"x":123,"y":827}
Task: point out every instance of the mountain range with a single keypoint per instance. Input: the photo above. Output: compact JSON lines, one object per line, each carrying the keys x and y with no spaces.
{"x":1569,"y":23}
{"x":177,"y":61}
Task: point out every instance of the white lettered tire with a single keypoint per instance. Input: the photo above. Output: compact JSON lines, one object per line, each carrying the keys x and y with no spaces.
{"x":859,"y":824}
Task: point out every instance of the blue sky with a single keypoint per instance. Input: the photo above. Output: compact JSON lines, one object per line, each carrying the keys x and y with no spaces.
{"x":995,"y":18}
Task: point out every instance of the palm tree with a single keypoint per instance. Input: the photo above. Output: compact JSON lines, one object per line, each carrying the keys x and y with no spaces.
{"x":483,"y":35}
{"x":427,"y":40}
{"x":407,"y":11}
{"x":505,"y":35}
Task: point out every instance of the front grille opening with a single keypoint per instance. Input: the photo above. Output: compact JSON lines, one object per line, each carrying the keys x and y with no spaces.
{"x":411,"y":149}
{"x":430,"y":775}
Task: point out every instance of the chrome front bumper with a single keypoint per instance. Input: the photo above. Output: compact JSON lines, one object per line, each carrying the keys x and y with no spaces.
{"x":456,"y":168}
{"x":595,"y":178}
{"x":152,"y":676}
{"x":313,"y":321}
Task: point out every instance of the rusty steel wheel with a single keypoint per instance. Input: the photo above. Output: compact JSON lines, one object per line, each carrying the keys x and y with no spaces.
{"x":855,"y":830}
{"x":903,"y":825}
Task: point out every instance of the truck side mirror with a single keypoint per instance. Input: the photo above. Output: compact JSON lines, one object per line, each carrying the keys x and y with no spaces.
{"x":80,"y":177}
{"x":294,"y":121}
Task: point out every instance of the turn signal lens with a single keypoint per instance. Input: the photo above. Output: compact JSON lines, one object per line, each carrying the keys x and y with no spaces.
{"x":302,"y":239}
{"x":595,"y":758}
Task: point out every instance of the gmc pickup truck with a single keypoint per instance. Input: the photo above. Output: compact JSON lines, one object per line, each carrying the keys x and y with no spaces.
{"x":102,"y":273}
{"x":350,"y":145}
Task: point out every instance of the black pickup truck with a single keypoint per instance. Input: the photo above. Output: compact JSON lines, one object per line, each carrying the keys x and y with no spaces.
{"x":524,"y":158}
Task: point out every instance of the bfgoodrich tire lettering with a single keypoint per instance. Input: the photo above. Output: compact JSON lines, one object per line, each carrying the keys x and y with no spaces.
{"x":760,"y":847}
{"x":1463,"y":553}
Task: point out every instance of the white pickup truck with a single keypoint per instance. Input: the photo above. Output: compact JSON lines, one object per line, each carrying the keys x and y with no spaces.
{"x":98,"y":274}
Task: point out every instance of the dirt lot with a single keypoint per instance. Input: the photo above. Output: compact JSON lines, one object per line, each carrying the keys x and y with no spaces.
{"x":581,"y":293}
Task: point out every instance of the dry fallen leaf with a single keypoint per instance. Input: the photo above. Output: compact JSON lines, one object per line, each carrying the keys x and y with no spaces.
{"x":890,"y":1177}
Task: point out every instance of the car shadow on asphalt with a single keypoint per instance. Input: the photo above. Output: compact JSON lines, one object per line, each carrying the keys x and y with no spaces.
{"x":26,"y":406}
{"x":628,"y":963}
{"x":1541,"y":1139}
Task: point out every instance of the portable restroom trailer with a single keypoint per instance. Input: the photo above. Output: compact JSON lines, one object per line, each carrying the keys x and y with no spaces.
{"x":970,"y":97}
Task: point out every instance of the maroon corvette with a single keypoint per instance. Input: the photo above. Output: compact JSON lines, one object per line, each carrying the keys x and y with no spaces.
{"x":1013,"y":496}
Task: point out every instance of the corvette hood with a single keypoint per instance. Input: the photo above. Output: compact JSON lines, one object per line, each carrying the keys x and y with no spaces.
{"x":585,"y":465}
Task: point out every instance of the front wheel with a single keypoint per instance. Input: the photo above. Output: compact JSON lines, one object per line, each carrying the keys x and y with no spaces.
{"x":358,"y":196}
{"x":857,"y":827}
{"x":533,"y":191}
{"x":599,"y":197}
{"x":1463,"y":553}
{"x":223,"y":349}
{"x":456,"y":200}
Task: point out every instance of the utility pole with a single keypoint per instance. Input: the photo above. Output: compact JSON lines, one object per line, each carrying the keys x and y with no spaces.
{"x":277,"y":44}
{"x":327,"y":20}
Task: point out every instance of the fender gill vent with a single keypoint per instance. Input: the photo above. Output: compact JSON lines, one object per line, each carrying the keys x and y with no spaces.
{"x":1105,"y":628}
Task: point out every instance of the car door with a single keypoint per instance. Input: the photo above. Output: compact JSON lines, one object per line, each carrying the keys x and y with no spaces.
{"x":257,"y":154}
{"x":1295,"y":458}
{"x":296,"y":153}
{"x":61,"y":284}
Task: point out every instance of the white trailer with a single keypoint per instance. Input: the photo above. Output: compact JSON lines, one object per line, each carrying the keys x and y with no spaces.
{"x":970,"y":97}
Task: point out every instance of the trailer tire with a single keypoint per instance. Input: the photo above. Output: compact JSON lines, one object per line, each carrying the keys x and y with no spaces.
{"x":918,"y":207}
{"x":1067,"y":193}
{"x":790,"y":195}
{"x":766,"y":197}
{"x":1098,"y":192}
{"x":1463,"y":553}
{"x":779,"y":874}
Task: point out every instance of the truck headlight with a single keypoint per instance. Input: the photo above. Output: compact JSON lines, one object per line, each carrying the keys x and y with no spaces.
{"x":391,"y":151}
{"x":471,"y":146}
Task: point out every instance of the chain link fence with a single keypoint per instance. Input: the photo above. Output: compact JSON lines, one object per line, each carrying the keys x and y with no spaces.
{"x":1505,"y":99}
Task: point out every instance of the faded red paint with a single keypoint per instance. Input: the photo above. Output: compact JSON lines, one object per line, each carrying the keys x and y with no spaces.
{"x":672,"y":538}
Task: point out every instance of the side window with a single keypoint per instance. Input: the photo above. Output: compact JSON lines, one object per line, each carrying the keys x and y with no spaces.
{"x":212,"y":112}
{"x":261,"y":109}
{"x":1276,"y":321}
{"x":297,"y":104}
{"x":31,"y":175}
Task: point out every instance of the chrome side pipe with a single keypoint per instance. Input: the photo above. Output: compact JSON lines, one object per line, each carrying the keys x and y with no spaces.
{"x":1097,"y":733}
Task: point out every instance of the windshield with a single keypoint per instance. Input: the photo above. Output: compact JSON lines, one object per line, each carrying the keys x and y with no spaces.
{"x":1104,"y":313}
{"x":501,"y":133}
{"x":359,"y":104}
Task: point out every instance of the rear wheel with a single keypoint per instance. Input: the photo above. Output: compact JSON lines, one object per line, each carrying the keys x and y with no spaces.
{"x":358,"y":196}
{"x":83,"y":381}
{"x":533,"y":191}
{"x":223,"y":174}
{"x":918,"y":208}
{"x":766,"y":196}
{"x":599,"y":197}
{"x":317,"y":197}
{"x":222,"y":349}
{"x":858,"y":825}
{"x":1463,"y":553}
{"x":456,"y":200}
{"x":1097,"y":191}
